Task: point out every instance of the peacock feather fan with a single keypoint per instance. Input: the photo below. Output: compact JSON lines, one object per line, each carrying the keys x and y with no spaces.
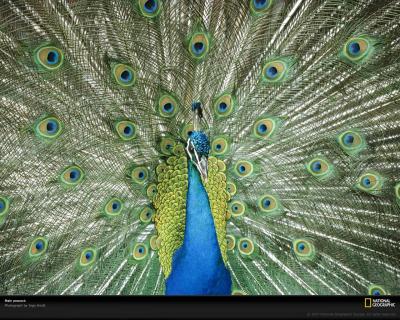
{"x":200,"y":147}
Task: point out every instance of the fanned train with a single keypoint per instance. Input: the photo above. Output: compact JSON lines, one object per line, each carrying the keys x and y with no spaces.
{"x":190,"y":147}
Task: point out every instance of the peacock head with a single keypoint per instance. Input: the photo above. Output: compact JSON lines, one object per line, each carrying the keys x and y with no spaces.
{"x":198,"y":145}
{"x":198,"y":148}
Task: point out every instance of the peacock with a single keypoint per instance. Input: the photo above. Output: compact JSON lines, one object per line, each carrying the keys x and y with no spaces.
{"x":190,"y":147}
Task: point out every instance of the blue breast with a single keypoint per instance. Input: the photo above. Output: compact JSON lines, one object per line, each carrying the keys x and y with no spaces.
{"x":197,"y":266}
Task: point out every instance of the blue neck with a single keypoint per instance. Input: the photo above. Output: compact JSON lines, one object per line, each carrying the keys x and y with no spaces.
{"x":197,"y":266}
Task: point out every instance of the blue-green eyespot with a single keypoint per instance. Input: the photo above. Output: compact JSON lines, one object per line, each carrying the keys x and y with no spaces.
{"x":139,"y":251}
{"x":126,"y":130}
{"x":259,"y":7}
{"x":49,"y":57}
{"x":237,"y":208}
{"x":167,"y":106}
{"x":320,"y":168}
{"x":113,"y":207}
{"x":48,"y":128}
{"x":140,"y":175}
{"x":4,"y":206}
{"x":150,"y":8}
{"x":38,"y":247}
{"x":352,"y":142}
{"x":124,"y":75}
{"x":303,"y":249}
{"x":88,"y":257}
{"x":375,"y":290}
{"x":358,"y":50}
{"x":270,"y":205}
{"x":72,"y":175}
{"x":199,"y":44}
{"x":370,"y":182}
{"x":220,"y":146}
{"x":224,"y":105}
{"x":245,"y":246}
{"x":243,"y":168}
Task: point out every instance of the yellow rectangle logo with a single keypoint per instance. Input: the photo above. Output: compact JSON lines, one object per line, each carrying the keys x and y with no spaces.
{"x":367,"y":303}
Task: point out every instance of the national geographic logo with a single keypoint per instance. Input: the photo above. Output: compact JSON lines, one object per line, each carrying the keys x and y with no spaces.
{"x":378,"y":303}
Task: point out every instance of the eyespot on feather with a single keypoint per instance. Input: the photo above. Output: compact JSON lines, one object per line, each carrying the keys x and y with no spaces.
{"x":49,"y":57}
{"x":245,"y":246}
{"x":370,"y":182}
{"x":88,"y":257}
{"x":237,"y":208}
{"x":38,"y":247}
{"x":150,"y":8}
{"x":230,"y":242}
{"x":358,"y":50}
{"x":303,"y":249}
{"x":276,"y":71}
{"x":224,"y":105}
{"x":243,"y":168}
{"x":220,"y":146}
{"x":146,"y":214}
{"x":72,"y":175}
{"x":126,"y":130}
{"x":140,"y":175}
{"x":320,"y":168}
{"x":48,"y":128}
{"x":375,"y":290}
{"x":259,"y":7}
{"x":139,"y":251}
{"x":270,"y":205}
{"x":4,"y":206}
{"x":113,"y":207}
{"x":123,"y":75}
{"x":199,"y":45}
{"x":351,"y":142}
{"x":167,"y":106}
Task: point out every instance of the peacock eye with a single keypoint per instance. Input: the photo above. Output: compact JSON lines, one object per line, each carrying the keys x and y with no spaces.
{"x":274,"y":71}
{"x":151,"y":190}
{"x":139,"y":175}
{"x":230,"y":242}
{"x":126,"y":130}
{"x":375,"y":290}
{"x":220,"y":146}
{"x":351,"y":142}
{"x":269,"y":204}
{"x":167,"y":106}
{"x":150,"y":8}
{"x":4,"y":206}
{"x":231,"y":188}
{"x":303,"y":249}
{"x":124,"y":75}
{"x":72,"y":175}
{"x":167,"y":145}
{"x":88,"y":257}
{"x":260,"y":6}
{"x":38,"y":247}
{"x":199,"y":45}
{"x":320,"y":168}
{"x":243,"y":168}
{"x":113,"y":207}
{"x":186,"y":131}
{"x":224,"y":105}
{"x":370,"y":182}
{"x":139,"y":251}
{"x":237,"y":208}
{"x":48,"y":128}
{"x":146,"y":214}
{"x":265,"y":128}
{"x":50,"y":58}
{"x":357,"y":50}
{"x":153,"y":242}
{"x":245,"y":246}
